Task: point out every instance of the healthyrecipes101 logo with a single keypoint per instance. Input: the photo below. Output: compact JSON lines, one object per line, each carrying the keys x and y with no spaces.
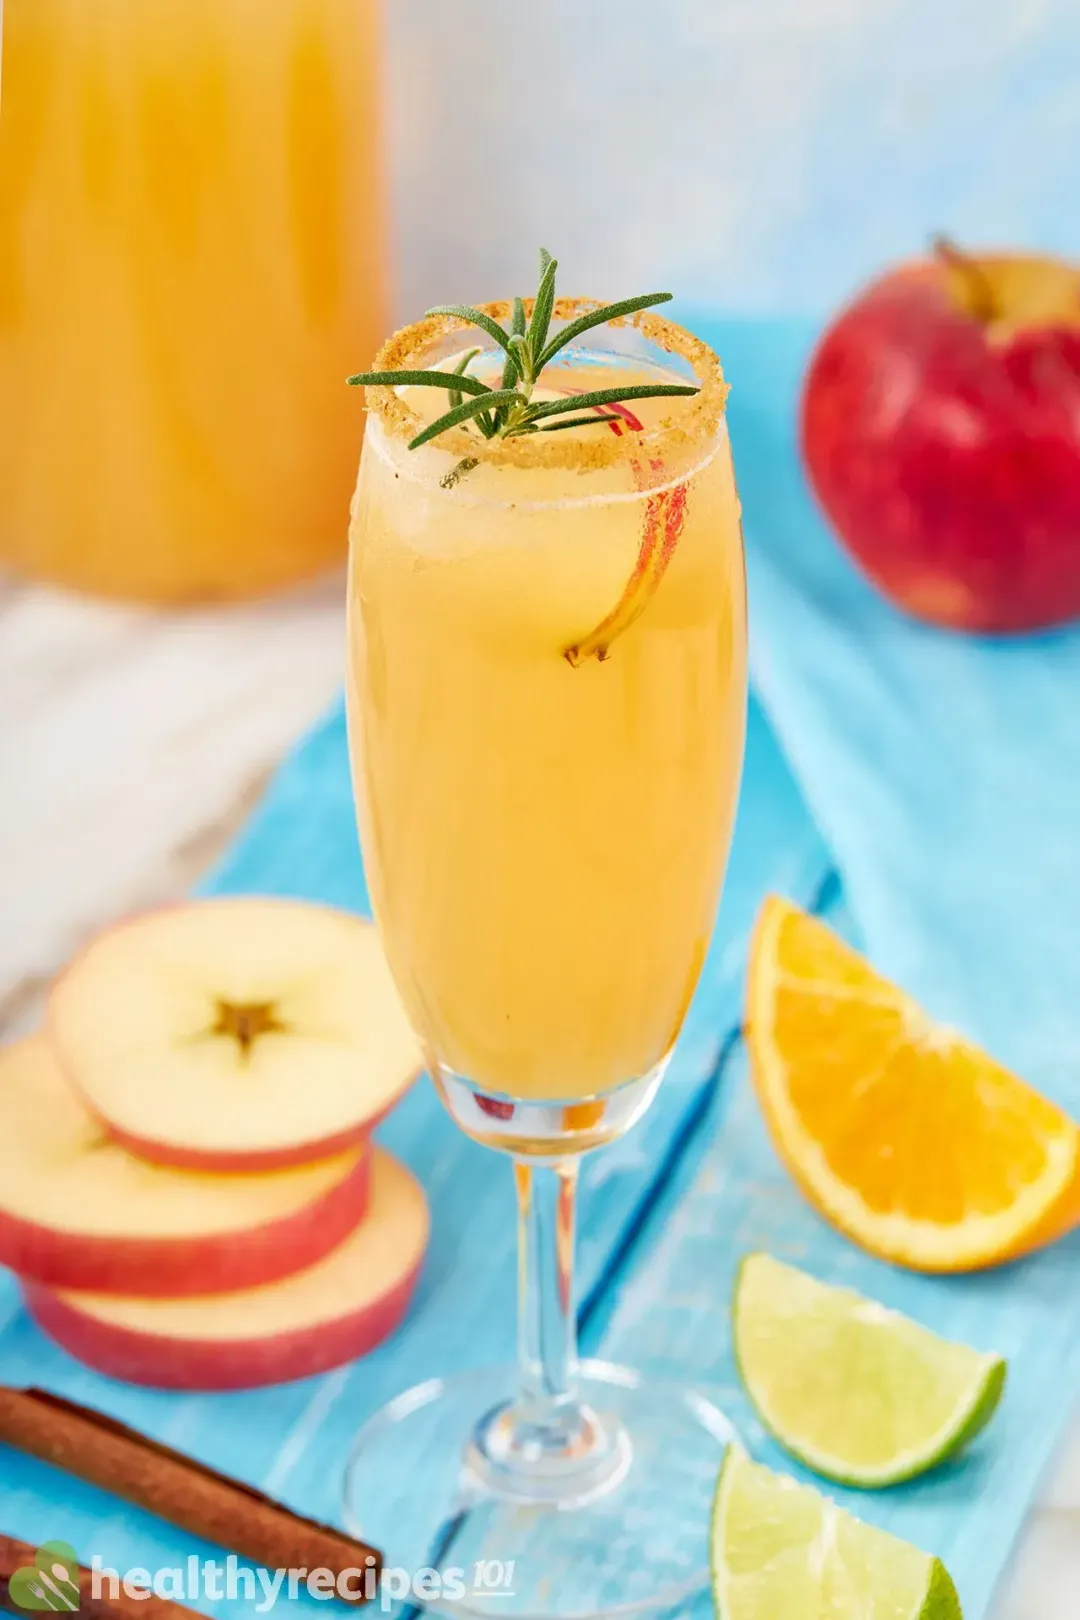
{"x":52,"y":1582}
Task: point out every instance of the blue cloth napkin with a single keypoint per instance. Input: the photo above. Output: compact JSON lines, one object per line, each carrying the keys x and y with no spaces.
{"x":943,"y":770}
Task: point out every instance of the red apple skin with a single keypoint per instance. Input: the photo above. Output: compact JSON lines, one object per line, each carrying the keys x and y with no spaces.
{"x":180,"y":1157}
{"x":163,"y":1268}
{"x":214,"y":1366}
{"x":947,"y":459}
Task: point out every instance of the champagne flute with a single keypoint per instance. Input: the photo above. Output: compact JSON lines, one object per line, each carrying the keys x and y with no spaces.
{"x":547,"y":690}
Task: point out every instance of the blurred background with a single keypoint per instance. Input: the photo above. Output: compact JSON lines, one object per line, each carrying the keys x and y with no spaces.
{"x":756,"y":155}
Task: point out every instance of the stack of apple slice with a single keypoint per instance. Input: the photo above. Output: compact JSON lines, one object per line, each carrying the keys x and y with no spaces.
{"x":187,"y":1184}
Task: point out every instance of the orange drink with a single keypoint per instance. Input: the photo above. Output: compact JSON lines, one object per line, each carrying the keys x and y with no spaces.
{"x":545,"y":832}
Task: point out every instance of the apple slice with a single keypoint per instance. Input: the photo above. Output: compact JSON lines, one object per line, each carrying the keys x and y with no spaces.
{"x":78,"y":1211}
{"x":235,"y":1034}
{"x":340,"y":1308}
{"x":662,"y":525}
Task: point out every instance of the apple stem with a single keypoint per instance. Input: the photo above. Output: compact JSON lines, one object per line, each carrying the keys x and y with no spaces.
{"x":981,"y":299}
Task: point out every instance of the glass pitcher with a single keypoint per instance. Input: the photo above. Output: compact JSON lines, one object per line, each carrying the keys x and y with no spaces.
{"x":191,"y":260}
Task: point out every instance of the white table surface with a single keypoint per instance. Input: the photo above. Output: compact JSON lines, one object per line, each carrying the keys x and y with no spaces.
{"x":132,"y":746}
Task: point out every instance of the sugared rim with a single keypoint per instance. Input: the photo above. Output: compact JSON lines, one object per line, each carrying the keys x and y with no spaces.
{"x":696,"y":422}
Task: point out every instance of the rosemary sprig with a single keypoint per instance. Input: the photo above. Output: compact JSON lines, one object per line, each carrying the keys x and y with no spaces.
{"x":509,"y":411}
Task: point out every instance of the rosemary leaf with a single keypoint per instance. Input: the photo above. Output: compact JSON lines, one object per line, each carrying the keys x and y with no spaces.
{"x":574,"y":421}
{"x":513,"y":367}
{"x":597,"y":317}
{"x":486,"y":401}
{"x":607,"y":396}
{"x":407,"y":379}
{"x":519,"y":348}
{"x":466,"y":465}
{"x":475,"y":317}
{"x":542,"y":308}
{"x":454,"y":394}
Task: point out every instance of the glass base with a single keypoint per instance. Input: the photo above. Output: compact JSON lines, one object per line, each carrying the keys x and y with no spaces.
{"x":622,"y":1529}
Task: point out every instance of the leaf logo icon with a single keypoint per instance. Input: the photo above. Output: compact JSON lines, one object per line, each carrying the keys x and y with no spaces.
{"x":50,"y":1582}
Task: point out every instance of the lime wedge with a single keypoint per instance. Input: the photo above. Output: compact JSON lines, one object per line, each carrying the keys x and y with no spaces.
{"x":782,"y":1551}
{"x":856,"y":1392}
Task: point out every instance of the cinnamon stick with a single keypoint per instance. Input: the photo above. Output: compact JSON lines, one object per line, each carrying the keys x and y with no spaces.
{"x":16,"y":1555}
{"x":130,"y":1465}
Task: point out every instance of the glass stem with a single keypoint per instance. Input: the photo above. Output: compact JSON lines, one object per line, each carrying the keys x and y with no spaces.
{"x":547,"y":1330}
{"x":545,"y":1444}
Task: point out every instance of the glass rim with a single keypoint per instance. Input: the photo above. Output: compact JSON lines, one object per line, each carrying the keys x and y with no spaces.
{"x":695,"y":423}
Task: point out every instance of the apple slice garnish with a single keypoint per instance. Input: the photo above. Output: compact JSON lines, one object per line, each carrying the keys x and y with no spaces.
{"x":665,"y":514}
{"x":337,"y":1309}
{"x":78,"y":1211}
{"x":235,"y":1033}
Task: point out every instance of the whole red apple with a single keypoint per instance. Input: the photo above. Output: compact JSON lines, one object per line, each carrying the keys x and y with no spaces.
{"x":941,"y":432}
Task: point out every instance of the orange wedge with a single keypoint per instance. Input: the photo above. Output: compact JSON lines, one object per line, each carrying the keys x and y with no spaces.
{"x":906,"y":1137}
